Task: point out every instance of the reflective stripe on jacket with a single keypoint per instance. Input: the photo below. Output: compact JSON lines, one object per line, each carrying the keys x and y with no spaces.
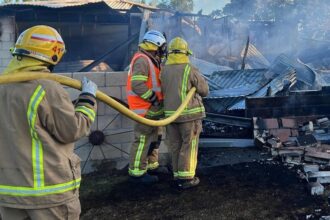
{"x":139,"y":103}
{"x":177,"y":80}
{"x":38,"y":128}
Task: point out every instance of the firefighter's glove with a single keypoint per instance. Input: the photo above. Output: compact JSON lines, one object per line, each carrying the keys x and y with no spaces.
{"x":154,"y":100}
{"x":88,"y":86}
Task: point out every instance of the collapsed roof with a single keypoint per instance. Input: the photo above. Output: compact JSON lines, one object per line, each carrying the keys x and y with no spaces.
{"x":229,"y":89}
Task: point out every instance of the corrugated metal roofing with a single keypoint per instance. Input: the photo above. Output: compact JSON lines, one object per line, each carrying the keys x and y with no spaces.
{"x":207,"y":68}
{"x":114,"y":4}
{"x":254,"y":59}
{"x":229,"y":88}
{"x":236,"y":78}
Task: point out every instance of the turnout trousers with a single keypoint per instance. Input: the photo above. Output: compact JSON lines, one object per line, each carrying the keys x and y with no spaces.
{"x":183,"y":143}
{"x":67,"y":211}
{"x":144,"y":151}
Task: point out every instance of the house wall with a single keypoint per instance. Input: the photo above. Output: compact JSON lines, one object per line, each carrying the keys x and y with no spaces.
{"x":7,"y":40}
{"x":113,"y":84}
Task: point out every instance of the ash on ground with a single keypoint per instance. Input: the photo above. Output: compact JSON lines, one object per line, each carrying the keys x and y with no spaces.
{"x":238,"y":184}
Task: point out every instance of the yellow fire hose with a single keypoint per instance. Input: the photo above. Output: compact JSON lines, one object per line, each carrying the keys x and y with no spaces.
{"x":67,"y":81}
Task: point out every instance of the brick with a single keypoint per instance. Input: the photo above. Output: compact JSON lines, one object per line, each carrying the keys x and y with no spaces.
{"x":270,"y":123}
{"x":103,"y":122}
{"x":123,"y":93}
{"x":83,"y":152}
{"x":8,"y":28}
{"x":311,"y":168}
{"x":98,"y":78}
{"x":7,"y":21}
{"x":294,"y":133}
{"x":316,"y":188}
{"x":81,"y":142}
{"x":5,"y":56}
{"x":289,"y":123}
{"x":127,"y":122}
{"x":12,"y":36}
{"x":101,"y":108}
{"x":66,"y":74}
{"x":120,"y":136}
{"x":111,"y":152}
{"x":116,"y":78}
{"x":126,"y":148}
{"x":110,"y":111}
{"x":97,"y":154}
{"x":5,"y":46}
{"x":265,"y":124}
{"x":6,"y":37}
{"x":111,"y":91}
{"x":283,"y":134}
{"x":4,"y":62}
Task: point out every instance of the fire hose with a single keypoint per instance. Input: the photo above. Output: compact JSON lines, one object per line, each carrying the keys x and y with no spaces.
{"x":76,"y":84}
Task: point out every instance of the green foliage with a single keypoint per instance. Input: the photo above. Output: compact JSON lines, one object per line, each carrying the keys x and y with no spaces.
{"x":216,"y":13}
{"x":276,"y":10}
{"x":177,"y":5}
{"x":164,"y":4}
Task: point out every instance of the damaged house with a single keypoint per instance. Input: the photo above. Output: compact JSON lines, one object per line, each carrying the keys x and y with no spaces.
{"x":99,"y":32}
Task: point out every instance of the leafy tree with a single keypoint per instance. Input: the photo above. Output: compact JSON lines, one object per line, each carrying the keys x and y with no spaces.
{"x":183,"y":5}
{"x":164,"y":4}
{"x":218,"y":13}
{"x":177,"y":5}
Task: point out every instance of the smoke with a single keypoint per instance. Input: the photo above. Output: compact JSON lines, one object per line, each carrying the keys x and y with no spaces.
{"x":298,"y":28}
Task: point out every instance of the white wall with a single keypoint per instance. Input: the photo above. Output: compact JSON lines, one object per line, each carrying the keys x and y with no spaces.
{"x":113,"y":84}
{"x":7,"y":40}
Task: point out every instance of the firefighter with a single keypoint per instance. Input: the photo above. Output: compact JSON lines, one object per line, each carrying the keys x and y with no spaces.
{"x":39,"y":172}
{"x":178,"y":76}
{"x":145,"y":98}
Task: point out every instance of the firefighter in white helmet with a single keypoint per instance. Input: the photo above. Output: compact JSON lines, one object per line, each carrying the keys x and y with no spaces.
{"x":39,"y":172}
{"x":178,"y":76}
{"x":145,"y":98}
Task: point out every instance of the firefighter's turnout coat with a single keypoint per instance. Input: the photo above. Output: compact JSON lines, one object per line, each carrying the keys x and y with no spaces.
{"x":183,"y":134}
{"x":144,"y":80}
{"x":38,"y":128}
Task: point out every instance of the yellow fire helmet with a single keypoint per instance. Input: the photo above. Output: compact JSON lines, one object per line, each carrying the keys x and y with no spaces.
{"x":179,"y":45}
{"x":40,"y":42}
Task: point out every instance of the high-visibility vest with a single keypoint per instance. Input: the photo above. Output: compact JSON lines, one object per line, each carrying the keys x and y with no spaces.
{"x":137,"y":104}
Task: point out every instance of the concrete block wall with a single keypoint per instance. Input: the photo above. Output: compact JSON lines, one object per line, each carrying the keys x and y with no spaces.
{"x":7,"y":40}
{"x":119,"y":135}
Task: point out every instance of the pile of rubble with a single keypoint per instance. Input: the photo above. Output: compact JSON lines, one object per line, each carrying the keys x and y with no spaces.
{"x":298,"y":141}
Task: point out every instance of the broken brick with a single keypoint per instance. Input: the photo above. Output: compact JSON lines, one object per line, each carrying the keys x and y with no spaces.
{"x":294,"y":133}
{"x":283,"y":134}
{"x":289,"y":123}
{"x":270,"y":123}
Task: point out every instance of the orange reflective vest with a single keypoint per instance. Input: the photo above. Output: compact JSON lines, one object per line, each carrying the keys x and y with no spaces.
{"x":137,"y":104}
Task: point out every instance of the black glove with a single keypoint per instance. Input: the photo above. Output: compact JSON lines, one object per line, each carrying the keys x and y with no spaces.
{"x":154,"y":100}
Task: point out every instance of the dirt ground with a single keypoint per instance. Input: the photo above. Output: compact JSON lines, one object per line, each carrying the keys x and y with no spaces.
{"x":259,"y":189}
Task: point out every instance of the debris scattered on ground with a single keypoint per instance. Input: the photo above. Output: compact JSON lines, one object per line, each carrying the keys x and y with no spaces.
{"x":299,"y":141}
{"x":255,"y":190}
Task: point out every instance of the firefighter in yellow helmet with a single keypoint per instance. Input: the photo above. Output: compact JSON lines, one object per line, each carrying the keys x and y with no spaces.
{"x":178,"y":77}
{"x":39,"y":172}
